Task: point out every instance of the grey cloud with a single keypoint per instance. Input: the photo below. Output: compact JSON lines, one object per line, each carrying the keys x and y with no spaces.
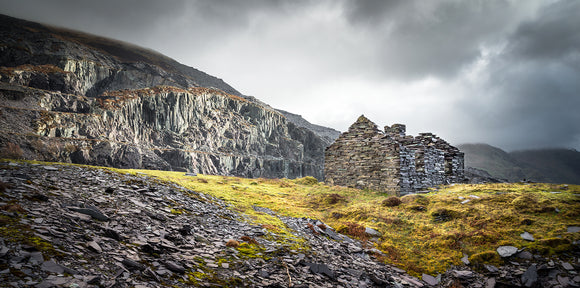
{"x":532,"y":96}
{"x":431,"y":38}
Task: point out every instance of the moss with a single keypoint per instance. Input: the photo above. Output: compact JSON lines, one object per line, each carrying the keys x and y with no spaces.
{"x":486,"y":257}
{"x":551,"y":246}
{"x":247,"y":250}
{"x":308,"y":180}
{"x":176,"y":211}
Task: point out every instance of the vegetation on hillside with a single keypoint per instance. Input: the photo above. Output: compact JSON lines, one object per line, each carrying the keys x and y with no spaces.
{"x":420,"y":233}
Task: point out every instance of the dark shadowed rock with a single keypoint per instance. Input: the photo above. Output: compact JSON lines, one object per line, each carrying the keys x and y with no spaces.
{"x":96,"y":214}
{"x":51,"y":266}
{"x":530,"y":277}
{"x":320,"y":269}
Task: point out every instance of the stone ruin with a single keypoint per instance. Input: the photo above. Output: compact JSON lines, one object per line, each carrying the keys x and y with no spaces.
{"x":390,"y":161}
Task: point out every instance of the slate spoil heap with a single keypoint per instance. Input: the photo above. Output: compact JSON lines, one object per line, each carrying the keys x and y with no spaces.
{"x":72,"y":226}
{"x":68,"y":226}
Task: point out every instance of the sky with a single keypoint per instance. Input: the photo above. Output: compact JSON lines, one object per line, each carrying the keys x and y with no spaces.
{"x":503,"y":72}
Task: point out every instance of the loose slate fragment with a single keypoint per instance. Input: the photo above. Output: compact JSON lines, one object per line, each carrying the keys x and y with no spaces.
{"x":506,"y":251}
{"x":96,"y":214}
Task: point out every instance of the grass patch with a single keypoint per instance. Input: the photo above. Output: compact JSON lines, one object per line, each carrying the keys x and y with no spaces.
{"x":423,"y":233}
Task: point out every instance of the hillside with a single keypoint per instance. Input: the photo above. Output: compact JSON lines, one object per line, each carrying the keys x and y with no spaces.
{"x":556,"y":165}
{"x":74,"y":97}
{"x":542,"y":165}
{"x":88,"y":226}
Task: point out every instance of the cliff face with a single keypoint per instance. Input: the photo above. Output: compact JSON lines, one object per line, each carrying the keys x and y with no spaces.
{"x":68,"y":96}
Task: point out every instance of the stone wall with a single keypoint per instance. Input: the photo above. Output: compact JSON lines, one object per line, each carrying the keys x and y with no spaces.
{"x":390,"y":161}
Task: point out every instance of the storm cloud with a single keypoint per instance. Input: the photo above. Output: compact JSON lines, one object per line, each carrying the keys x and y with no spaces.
{"x":501,"y":72}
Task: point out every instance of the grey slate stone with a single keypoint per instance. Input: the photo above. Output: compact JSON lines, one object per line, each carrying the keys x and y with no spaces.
{"x":506,"y":251}
{"x":530,"y":277}
{"x":527,"y":236}
{"x":429,"y":279}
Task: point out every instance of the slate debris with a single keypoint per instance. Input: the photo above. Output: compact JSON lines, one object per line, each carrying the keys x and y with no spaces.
{"x":142,"y":244}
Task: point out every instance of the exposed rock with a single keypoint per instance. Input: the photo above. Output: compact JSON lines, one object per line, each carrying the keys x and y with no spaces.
{"x":573,"y":229}
{"x":73,"y":97}
{"x":429,"y":279}
{"x":372,"y":232}
{"x":530,"y":278}
{"x":507,"y":251}
{"x":527,"y":236}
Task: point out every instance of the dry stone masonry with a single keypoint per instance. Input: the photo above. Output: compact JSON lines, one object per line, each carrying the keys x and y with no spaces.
{"x":391,"y":161}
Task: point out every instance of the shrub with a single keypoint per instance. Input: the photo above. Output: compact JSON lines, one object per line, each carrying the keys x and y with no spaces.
{"x":232,"y":243}
{"x":353,"y":229}
{"x":392,"y":201}
{"x":249,"y":240}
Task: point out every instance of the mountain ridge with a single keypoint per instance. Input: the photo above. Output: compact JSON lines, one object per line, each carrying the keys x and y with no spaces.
{"x":551,"y":165}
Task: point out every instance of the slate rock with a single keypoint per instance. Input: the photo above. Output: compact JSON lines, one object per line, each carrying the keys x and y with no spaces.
{"x":567,"y":266}
{"x":530,"y":277}
{"x":527,"y":236}
{"x":96,"y":214}
{"x":372,"y":232}
{"x":526,"y":255}
{"x":465,"y":259}
{"x":132,"y":265}
{"x":111,"y":233}
{"x":95,"y":246}
{"x":507,"y":251}
{"x":465,"y":274}
{"x":573,"y":229}
{"x":4,"y":251}
{"x":320,"y":269}
{"x":429,"y":279}
{"x":51,"y":266}
{"x":172,"y":266}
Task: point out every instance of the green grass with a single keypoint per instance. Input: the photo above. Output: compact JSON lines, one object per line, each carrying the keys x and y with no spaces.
{"x":425,"y":233}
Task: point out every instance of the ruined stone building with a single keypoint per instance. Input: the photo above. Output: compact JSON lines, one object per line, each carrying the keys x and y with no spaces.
{"x":390,"y":161}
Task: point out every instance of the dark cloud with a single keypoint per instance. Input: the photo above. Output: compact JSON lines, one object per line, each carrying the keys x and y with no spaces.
{"x":554,"y":34}
{"x":531,"y":96}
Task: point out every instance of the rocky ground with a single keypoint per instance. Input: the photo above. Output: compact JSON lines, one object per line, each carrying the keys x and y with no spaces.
{"x":70,"y":226}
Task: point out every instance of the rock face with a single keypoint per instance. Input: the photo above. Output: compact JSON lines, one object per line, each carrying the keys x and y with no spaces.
{"x":72,"y":97}
{"x":365,"y":157}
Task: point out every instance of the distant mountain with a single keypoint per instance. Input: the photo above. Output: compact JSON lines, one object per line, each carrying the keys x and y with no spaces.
{"x":543,"y":165}
{"x":556,"y":165}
